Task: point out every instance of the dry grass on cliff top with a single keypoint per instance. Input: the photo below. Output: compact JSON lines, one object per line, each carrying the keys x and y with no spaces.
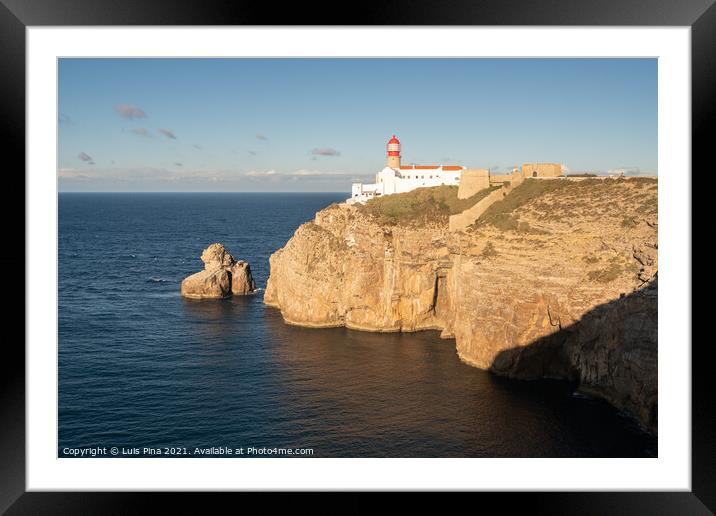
{"x":420,"y":206}
{"x":561,"y":201}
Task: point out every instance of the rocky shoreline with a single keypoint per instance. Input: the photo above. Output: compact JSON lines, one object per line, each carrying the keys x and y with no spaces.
{"x":557,"y":282}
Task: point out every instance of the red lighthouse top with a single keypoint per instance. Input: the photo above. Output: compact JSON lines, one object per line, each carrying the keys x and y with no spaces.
{"x":393,"y":146}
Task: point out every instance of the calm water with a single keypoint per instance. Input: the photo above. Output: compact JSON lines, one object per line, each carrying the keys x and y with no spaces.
{"x":139,"y":366}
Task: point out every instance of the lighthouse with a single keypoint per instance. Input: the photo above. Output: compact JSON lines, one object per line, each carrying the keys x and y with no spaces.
{"x":394,"y":153}
{"x":395,"y":178}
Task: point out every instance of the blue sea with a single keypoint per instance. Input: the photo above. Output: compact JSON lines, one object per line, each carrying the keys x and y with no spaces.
{"x":143,"y":371}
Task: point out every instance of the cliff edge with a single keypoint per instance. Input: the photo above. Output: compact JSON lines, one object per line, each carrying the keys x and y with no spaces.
{"x":558,"y":279}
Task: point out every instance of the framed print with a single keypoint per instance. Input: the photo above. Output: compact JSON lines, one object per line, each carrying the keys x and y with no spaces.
{"x":420,"y":253}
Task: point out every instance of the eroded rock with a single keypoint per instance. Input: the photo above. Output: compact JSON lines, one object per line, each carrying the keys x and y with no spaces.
{"x":222,"y":276}
{"x":242,"y":283}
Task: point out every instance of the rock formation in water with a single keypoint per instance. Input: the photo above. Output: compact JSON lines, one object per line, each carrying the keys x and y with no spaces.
{"x":556,"y":280}
{"x":222,"y":276}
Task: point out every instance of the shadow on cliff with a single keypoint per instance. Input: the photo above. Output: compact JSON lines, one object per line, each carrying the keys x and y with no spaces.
{"x":611,"y":353}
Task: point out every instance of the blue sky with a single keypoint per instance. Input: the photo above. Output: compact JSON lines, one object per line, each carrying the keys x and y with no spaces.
{"x":320,"y":124}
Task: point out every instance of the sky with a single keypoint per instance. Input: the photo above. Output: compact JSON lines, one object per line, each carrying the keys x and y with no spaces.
{"x":320,"y":124}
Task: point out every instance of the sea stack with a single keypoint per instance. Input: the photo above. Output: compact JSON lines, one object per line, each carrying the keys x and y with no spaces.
{"x":222,"y":276}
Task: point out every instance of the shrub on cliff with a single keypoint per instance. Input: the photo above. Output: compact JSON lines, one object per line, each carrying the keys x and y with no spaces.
{"x":489,"y":250}
{"x":607,"y":274}
{"x":499,"y":212}
{"x":565,"y":200}
{"x":421,"y":206}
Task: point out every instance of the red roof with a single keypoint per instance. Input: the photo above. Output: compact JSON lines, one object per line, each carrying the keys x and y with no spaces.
{"x":393,"y":140}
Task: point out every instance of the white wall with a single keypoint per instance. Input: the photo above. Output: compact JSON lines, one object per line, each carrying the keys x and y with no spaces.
{"x":389,"y":181}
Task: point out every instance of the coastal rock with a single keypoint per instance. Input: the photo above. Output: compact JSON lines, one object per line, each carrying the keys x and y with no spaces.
{"x":216,"y":257}
{"x":222,"y":276}
{"x":207,"y":284}
{"x":242,"y":283}
{"x":560,"y":284}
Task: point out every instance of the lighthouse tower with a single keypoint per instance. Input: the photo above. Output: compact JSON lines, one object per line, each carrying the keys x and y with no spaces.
{"x":394,"y":153}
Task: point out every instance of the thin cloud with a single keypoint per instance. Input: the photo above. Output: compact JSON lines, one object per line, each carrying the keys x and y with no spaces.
{"x":167,"y":133}
{"x":260,"y":136}
{"x":179,"y":164}
{"x":141,"y":131}
{"x":305,"y":172}
{"x":259,"y":173}
{"x":197,"y":146}
{"x":627,"y":171}
{"x":325,"y":151}
{"x":302,"y":173}
{"x":361,"y":179}
{"x":84,"y":156}
{"x":315,"y":176}
{"x":252,"y":153}
{"x":499,"y":169}
{"x":191,"y":179}
{"x":71,"y":173}
{"x":129,"y":111}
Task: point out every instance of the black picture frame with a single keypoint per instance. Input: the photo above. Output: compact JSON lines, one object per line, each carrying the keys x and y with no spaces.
{"x":16,"y":15}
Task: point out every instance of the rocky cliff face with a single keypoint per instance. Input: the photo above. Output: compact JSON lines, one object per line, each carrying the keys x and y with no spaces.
{"x":558,"y":280}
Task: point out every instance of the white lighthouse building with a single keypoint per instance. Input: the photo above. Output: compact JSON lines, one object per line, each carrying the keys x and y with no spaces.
{"x":396,"y":178}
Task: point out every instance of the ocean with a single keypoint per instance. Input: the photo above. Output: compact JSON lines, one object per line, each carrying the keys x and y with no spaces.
{"x":148,"y":373}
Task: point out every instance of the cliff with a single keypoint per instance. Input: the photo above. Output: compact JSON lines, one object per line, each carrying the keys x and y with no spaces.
{"x":558,"y":279}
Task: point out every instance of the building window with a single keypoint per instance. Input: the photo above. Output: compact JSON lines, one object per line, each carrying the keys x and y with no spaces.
{"x":534,"y":174}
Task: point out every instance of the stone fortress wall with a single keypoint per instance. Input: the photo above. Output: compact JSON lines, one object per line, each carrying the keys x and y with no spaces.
{"x":465,"y":218}
{"x":475,"y":180}
{"x":541,"y":170}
